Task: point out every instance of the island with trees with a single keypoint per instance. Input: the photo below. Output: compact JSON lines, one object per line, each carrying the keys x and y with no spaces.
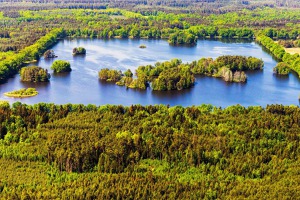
{"x":49,"y":54}
{"x":34,"y":74}
{"x":182,"y":27}
{"x":174,"y":75}
{"x":60,"y":66}
{"x":79,"y":51}
{"x":22,"y":93}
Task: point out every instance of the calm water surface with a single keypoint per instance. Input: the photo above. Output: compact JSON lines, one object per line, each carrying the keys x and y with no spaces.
{"x":82,"y":84}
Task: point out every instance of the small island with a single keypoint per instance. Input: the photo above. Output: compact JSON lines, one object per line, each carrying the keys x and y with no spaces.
{"x":142,"y":46}
{"x":49,"y":54}
{"x":79,"y":51}
{"x":60,"y":66}
{"x":34,"y":74}
{"x":22,"y":93}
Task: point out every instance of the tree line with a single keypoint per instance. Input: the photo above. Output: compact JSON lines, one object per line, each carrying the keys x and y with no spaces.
{"x":291,"y":60}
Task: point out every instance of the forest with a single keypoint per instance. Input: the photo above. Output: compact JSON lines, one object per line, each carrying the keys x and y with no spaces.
{"x":155,"y":151}
{"x":76,"y":151}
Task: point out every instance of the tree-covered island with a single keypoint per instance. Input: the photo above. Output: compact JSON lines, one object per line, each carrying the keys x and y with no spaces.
{"x":79,"y":51}
{"x":34,"y":74}
{"x":174,"y":75}
{"x":60,"y":66}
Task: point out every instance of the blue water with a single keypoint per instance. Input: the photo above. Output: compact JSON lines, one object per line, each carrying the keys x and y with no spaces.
{"x":83,"y":86}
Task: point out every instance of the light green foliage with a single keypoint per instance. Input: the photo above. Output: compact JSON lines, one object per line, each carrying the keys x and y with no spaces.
{"x":59,"y":66}
{"x":292,"y":61}
{"x":22,"y":92}
{"x":281,"y":68}
{"x":110,"y":74}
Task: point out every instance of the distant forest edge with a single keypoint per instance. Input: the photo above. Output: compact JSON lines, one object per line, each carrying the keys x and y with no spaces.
{"x":211,"y":6}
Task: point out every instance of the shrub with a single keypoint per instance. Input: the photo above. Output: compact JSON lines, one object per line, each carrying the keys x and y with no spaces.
{"x":59,"y":66}
{"x":34,"y":74}
{"x":79,"y":50}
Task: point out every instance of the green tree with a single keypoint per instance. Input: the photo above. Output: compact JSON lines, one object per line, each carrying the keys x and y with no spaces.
{"x":34,"y":74}
{"x":59,"y":66}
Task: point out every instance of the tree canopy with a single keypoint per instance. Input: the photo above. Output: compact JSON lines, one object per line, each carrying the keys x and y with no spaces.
{"x":34,"y":74}
{"x":60,"y":66}
{"x":148,"y":151}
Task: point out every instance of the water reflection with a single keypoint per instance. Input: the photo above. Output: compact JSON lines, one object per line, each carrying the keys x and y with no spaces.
{"x":82,"y":85}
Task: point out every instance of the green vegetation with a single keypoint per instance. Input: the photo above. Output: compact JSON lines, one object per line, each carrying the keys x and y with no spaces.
{"x":282,"y":69}
{"x":174,"y":75}
{"x":60,"y":66}
{"x":292,"y":61}
{"x":4,"y":103}
{"x":230,"y":68}
{"x":70,"y":151}
{"x":29,"y":92}
{"x":79,"y":50}
{"x":157,"y":152}
{"x":34,"y":74}
{"x":110,"y":75}
{"x":22,"y":28}
{"x":12,"y":63}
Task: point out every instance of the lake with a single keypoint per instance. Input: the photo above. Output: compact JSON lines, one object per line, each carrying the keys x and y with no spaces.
{"x":82,"y":85}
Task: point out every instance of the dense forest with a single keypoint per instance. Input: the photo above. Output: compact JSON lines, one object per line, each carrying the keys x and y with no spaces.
{"x":159,"y":152}
{"x":76,"y":151}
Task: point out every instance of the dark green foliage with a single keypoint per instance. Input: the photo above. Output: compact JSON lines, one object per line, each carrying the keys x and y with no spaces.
{"x":34,"y":74}
{"x":281,"y":69}
{"x":174,"y":79}
{"x":149,"y":152}
{"x":79,"y":50}
{"x":59,"y":66}
{"x":169,"y":75}
{"x":180,"y":38}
